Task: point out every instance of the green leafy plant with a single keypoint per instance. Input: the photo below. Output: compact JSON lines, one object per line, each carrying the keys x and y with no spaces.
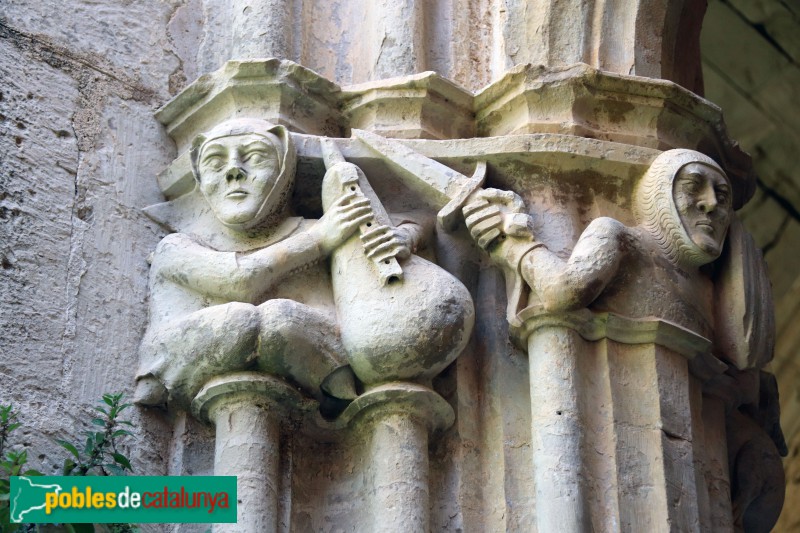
{"x":12,"y":463}
{"x":97,"y":456}
{"x":8,"y":423}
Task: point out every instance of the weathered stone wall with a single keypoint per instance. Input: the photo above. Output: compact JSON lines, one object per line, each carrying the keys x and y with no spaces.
{"x":79,"y":148}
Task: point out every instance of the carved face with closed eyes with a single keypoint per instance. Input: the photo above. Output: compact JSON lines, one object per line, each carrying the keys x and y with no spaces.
{"x":684,"y":201}
{"x":703,"y":200}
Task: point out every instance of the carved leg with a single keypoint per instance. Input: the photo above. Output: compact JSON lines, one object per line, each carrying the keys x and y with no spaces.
{"x":299,"y":343}
{"x":279,"y":337}
{"x":206,"y":343}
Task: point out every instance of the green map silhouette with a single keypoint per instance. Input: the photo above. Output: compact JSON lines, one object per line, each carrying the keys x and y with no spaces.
{"x":27,"y":496}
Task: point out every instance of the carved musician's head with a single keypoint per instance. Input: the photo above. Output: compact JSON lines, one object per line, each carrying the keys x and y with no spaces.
{"x":245,"y":171}
{"x":685,"y":201}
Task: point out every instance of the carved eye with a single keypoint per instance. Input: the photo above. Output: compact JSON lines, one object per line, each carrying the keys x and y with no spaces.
{"x":257,"y":157}
{"x":690,"y":187}
{"x":693,"y":184}
{"x":723,"y":196}
{"x":214,"y":162}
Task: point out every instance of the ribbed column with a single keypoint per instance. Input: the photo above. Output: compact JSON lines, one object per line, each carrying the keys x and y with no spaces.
{"x":617,"y":426}
{"x":715,"y":463}
{"x":653,"y":429}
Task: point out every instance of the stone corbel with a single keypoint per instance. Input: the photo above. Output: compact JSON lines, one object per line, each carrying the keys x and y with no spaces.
{"x":618,"y":397}
{"x":422,"y":106}
{"x":565,"y":103}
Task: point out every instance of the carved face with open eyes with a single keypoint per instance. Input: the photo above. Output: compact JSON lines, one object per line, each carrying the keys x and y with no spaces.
{"x":237,"y":173}
{"x":703,"y":200}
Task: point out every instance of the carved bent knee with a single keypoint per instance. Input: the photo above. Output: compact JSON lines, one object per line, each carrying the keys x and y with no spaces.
{"x":298,"y":343}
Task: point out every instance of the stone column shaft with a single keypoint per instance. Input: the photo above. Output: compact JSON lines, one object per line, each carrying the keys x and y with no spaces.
{"x":653,"y":427}
{"x":716,"y":463}
{"x":397,"y":418}
{"x":399,"y":459}
{"x":396,"y":37}
{"x":261,"y":28}
{"x":558,"y":432}
{"x":615,"y":436}
{"x":247,"y":446}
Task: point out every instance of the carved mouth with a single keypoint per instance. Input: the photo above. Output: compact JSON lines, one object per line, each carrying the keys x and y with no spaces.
{"x":705,"y":225}
{"x":237,"y":194}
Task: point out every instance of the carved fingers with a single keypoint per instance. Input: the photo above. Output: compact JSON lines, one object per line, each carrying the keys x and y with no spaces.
{"x":484,"y":222}
{"x":342,"y":219}
{"x":492,"y":214}
{"x":384,"y":242}
{"x":509,"y":199}
{"x":519,"y":225}
{"x":351,"y":207}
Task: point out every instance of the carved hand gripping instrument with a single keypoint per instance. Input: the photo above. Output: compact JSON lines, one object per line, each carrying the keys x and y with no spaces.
{"x":453,"y":190}
{"x":410,"y":320}
{"x":352,"y":180}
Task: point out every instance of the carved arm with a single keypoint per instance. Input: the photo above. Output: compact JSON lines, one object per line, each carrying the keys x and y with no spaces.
{"x":577,"y":282}
{"x":498,"y":223}
{"x":236,"y":277}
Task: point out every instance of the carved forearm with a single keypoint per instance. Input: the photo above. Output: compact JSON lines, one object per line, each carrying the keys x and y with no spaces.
{"x":228,"y":275}
{"x":416,"y":228}
{"x":264,"y":268}
{"x":576,"y":283}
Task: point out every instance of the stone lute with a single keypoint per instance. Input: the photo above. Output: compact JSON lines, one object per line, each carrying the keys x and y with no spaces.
{"x":401,"y":318}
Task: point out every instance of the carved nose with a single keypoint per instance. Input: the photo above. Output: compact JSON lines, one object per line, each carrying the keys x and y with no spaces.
{"x":707,"y":201}
{"x":235,"y":173}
